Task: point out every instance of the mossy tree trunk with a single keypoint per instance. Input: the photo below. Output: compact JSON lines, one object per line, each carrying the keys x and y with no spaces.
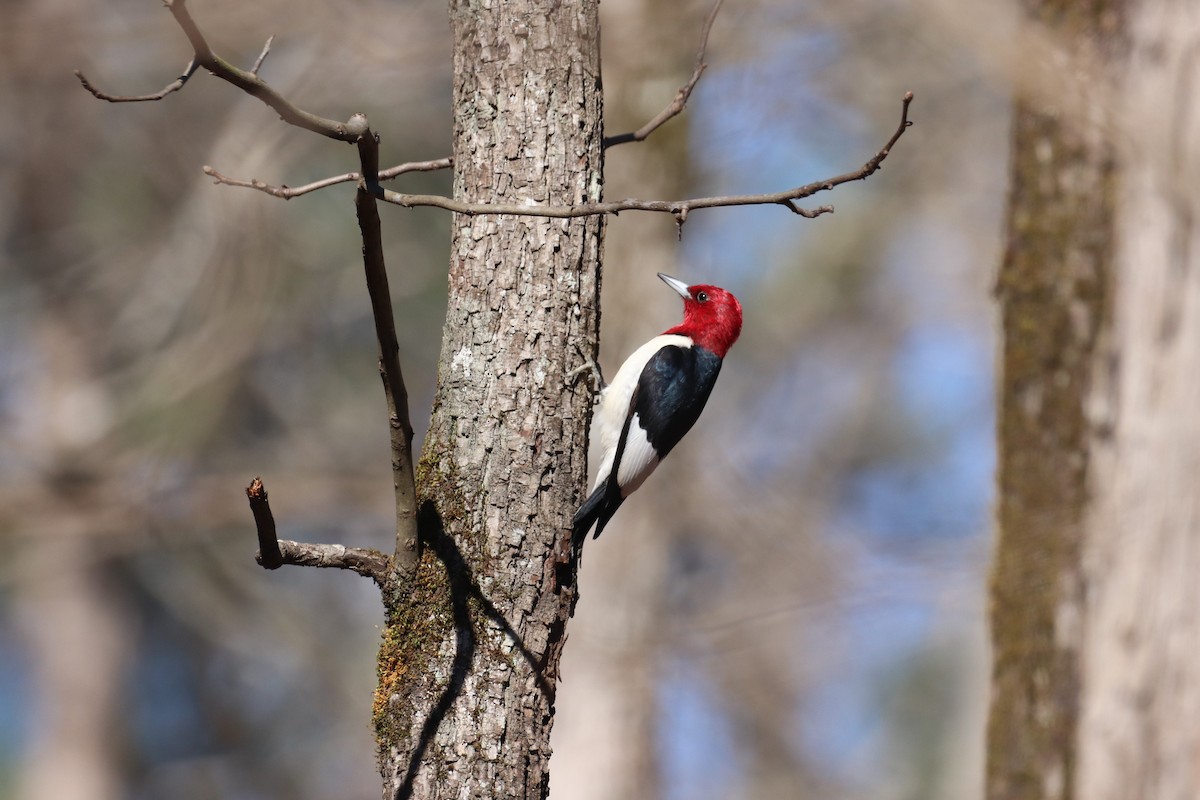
{"x":1096,"y":682}
{"x":1053,"y":292}
{"x":470,"y":657}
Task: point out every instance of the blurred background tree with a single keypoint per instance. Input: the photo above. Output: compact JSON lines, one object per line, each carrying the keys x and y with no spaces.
{"x":1095,"y":632}
{"x":794,"y":610}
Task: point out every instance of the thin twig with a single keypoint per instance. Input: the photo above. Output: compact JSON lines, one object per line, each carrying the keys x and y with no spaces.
{"x":677,"y":105}
{"x":248,"y":82}
{"x":415,"y":166}
{"x":394,"y":390}
{"x":678,"y":208}
{"x":263,"y":55}
{"x":288,"y":192}
{"x":273,"y":553}
{"x":173,"y":86}
{"x":253,"y":85}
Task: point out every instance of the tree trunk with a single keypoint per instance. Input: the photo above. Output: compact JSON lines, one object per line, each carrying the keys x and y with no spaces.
{"x":1052,"y":288}
{"x":1096,"y":683}
{"x":1140,"y":726}
{"x":470,"y":655}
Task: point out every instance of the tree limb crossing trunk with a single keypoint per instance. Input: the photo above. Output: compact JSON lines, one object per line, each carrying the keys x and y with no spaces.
{"x":470,"y":656}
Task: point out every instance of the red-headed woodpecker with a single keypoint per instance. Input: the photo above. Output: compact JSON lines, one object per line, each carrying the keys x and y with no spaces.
{"x":656,"y":397}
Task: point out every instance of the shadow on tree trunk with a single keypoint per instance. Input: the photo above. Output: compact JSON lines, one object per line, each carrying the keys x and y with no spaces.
{"x":464,"y":592}
{"x":434,"y":535}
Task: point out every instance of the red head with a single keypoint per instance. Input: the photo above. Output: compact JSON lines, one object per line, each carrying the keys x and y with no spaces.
{"x":712,"y":317}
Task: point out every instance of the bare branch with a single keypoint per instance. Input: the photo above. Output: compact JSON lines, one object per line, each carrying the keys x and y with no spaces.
{"x":366,"y":561}
{"x":273,"y":553}
{"x":268,"y":541}
{"x":248,"y":82}
{"x":415,"y":166}
{"x":288,"y":192}
{"x":678,"y":208}
{"x":681,"y":97}
{"x":251,"y":84}
{"x":395,"y":392}
{"x":173,"y":86}
{"x":355,"y":130}
{"x":263,"y":55}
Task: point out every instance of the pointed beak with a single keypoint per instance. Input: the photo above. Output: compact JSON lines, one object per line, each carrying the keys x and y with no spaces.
{"x":676,"y":284}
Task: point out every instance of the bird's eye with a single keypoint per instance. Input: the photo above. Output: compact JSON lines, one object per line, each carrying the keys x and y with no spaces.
{"x":701,"y":297}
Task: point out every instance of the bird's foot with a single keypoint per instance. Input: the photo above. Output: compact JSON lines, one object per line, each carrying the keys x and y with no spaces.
{"x":591,"y":367}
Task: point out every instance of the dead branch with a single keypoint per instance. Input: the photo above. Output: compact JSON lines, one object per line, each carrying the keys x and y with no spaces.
{"x":288,"y":192}
{"x":677,"y":105}
{"x":251,"y":84}
{"x":248,"y":82}
{"x":678,"y":208}
{"x":273,"y":553}
{"x":173,"y":86}
{"x":395,"y":392}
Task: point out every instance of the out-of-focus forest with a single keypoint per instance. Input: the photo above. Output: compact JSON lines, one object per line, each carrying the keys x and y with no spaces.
{"x":793,"y":607}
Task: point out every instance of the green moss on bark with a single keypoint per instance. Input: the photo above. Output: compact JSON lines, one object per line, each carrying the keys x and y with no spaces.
{"x":419,"y":612}
{"x":1053,"y":288}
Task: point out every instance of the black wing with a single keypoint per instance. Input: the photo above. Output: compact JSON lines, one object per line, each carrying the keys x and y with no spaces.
{"x":671,"y":393}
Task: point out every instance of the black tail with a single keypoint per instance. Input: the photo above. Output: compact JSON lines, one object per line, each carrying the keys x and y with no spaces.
{"x":598,"y":510}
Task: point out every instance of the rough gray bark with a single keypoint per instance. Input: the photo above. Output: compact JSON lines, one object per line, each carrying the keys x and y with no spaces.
{"x":470,"y":655}
{"x":1096,"y":683}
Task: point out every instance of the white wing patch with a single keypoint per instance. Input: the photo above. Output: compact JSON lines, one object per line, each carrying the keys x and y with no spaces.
{"x":637,"y":461}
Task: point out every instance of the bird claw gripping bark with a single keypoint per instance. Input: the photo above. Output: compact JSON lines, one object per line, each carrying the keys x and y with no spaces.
{"x":592,"y":367}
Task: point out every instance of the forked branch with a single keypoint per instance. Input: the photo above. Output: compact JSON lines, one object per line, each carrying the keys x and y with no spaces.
{"x":679,"y":208}
{"x":248,"y":82}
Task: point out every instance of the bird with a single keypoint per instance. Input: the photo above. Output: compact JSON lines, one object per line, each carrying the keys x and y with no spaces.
{"x":656,"y":398}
